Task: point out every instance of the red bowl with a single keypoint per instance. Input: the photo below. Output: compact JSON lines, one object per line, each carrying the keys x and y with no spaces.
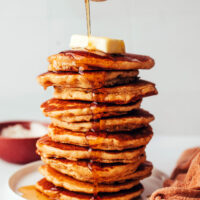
{"x":18,"y":150}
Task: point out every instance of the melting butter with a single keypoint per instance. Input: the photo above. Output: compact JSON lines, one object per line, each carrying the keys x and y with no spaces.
{"x":104,"y":44}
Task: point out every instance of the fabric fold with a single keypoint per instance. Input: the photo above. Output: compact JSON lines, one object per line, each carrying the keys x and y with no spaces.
{"x":184,"y":183}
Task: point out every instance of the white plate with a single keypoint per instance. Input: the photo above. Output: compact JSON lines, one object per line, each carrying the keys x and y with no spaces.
{"x":29,"y":175}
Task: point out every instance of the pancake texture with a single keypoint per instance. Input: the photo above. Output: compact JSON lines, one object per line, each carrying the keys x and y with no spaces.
{"x":102,"y":140}
{"x":123,"y":94}
{"x":69,"y":183}
{"x":135,"y":119}
{"x":48,"y":148}
{"x":107,"y":173}
{"x":96,"y":141}
{"x":74,"y":60}
{"x":84,"y":111}
{"x":86,"y":79}
{"x":52,"y":191}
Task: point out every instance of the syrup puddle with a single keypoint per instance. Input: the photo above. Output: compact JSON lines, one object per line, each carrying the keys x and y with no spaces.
{"x":31,"y":193}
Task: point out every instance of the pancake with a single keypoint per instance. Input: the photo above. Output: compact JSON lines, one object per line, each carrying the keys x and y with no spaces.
{"x":135,"y":119}
{"x":77,"y":60}
{"x":48,"y":148}
{"x":84,"y":111}
{"x":54,"y":192}
{"x":102,"y":140}
{"x":90,"y":79}
{"x":69,"y":183}
{"x":123,"y":94}
{"x":83,"y":170}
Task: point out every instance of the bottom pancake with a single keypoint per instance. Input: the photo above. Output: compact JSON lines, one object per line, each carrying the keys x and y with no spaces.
{"x":83,"y":170}
{"x":69,"y":183}
{"x":54,"y":192}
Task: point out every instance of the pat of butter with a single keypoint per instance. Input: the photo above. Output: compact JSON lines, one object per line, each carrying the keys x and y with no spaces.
{"x":104,"y":44}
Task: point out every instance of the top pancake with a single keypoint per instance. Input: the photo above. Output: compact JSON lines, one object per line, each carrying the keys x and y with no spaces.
{"x":79,"y":60}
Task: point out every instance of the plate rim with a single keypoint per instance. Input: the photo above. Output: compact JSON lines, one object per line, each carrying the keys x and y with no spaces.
{"x":12,"y":178}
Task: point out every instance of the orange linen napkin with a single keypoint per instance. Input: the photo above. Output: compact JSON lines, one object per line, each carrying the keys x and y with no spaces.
{"x":184,"y":183}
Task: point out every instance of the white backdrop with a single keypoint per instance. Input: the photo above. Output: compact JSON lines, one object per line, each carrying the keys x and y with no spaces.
{"x":169,"y":31}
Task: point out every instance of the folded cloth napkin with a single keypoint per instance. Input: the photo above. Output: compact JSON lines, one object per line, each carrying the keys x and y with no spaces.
{"x":184,"y":183}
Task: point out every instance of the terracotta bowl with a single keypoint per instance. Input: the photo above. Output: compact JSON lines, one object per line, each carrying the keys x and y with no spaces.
{"x":18,"y":150}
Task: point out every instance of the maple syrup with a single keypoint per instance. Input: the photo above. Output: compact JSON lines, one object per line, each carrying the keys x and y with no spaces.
{"x":92,"y":165}
{"x":31,"y":193}
{"x":105,"y":56}
{"x":93,"y":155}
{"x":87,"y":6}
{"x":95,"y":124}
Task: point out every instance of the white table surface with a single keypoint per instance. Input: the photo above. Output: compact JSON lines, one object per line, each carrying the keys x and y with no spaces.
{"x":163,"y":151}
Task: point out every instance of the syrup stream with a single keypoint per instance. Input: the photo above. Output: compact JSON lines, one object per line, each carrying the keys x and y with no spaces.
{"x":91,"y":164}
{"x":87,"y":6}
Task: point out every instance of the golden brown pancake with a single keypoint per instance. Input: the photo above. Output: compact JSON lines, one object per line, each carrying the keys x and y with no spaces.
{"x":77,"y":60}
{"x":84,"y":111}
{"x":135,"y":119}
{"x":71,"y":184}
{"x":106,"y":173}
{"x":48,"y":148}
{"x":103,"y":140}
{"x":89,"y":79}
{"x":118,"y":94}
{"x":54,"y":192}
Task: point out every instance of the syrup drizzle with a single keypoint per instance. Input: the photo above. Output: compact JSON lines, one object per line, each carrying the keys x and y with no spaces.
{"x":97,"y":125}
{"x":91,"y":163}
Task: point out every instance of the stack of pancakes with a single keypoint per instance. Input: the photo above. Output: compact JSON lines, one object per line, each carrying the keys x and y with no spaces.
{"x":95,"y":147}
